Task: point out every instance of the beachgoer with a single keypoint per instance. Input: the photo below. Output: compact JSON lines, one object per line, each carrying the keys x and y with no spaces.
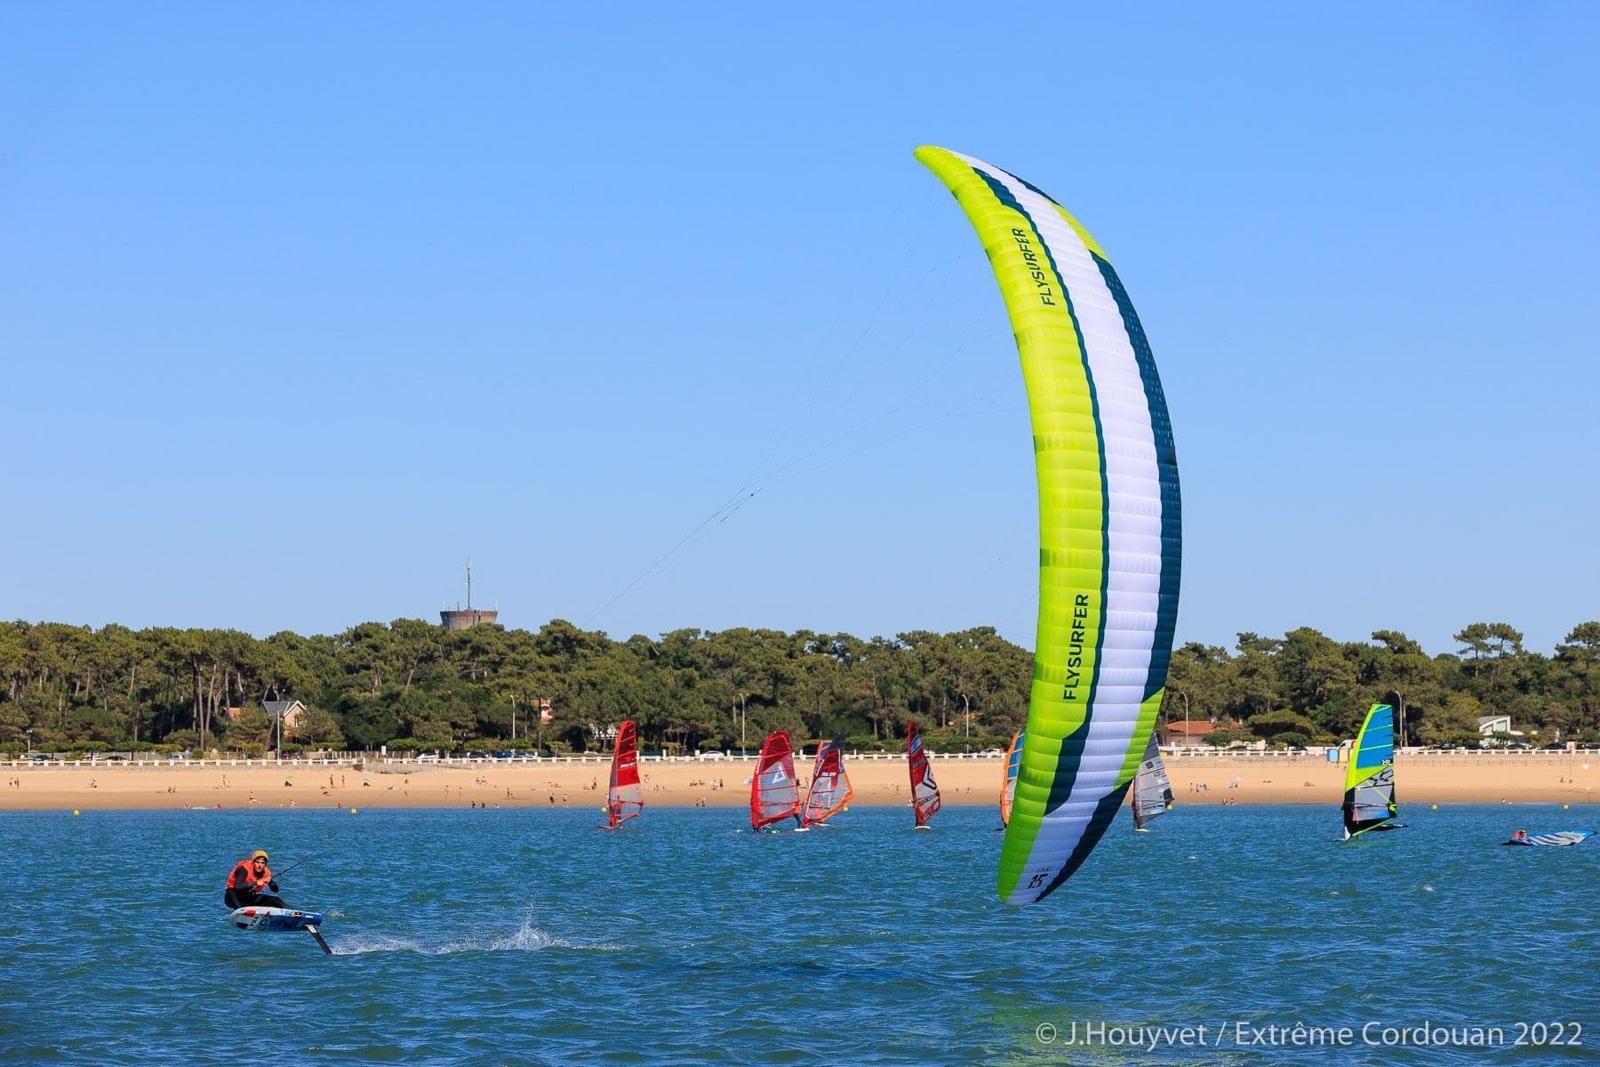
{"x":248,"y":883}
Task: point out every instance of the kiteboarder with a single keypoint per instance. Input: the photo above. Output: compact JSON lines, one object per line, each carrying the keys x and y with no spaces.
{"x":248,"y":883}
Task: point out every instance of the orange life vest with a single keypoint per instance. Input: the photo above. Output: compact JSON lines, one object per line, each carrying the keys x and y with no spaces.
{"x":243,"y":876}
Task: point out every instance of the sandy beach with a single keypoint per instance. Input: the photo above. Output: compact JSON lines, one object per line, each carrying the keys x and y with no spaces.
{"x":1424,"y":778}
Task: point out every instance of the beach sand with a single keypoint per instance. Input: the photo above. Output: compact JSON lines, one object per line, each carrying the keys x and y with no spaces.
{"x":1421,"y":779}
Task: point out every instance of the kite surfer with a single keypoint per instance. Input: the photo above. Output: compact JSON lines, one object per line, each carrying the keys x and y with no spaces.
{"x":250,"y":883}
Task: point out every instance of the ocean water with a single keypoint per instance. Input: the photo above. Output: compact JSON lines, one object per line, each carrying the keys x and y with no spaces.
{"x":529,"y":936}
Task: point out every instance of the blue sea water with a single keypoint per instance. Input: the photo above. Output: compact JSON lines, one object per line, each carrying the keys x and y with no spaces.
{"x":529,"y":936}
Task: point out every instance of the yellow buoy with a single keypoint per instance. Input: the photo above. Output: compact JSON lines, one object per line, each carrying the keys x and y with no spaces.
{"x":1436,"y":807}
{"x":74,"y":811}
{"x":1565,"y":807}
{"x":352,"y":811}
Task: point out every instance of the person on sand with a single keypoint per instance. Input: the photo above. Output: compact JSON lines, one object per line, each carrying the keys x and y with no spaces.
{"x":249,"y":882}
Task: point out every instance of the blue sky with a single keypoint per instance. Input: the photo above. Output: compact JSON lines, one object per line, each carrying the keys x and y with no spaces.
{"x":300,"y":306}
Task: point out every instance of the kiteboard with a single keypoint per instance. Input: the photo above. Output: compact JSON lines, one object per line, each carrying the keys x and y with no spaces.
{"x":1560,"y":837}
{"x":278,"y":920}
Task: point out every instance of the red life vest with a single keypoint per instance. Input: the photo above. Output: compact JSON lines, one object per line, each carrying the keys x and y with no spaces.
{"x":243,"y":876}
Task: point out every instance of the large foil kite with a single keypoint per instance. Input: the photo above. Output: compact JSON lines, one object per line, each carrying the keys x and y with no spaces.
{"x":1109,"y":526}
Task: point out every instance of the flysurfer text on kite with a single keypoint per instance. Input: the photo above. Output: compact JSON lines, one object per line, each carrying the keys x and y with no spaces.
{"x":1080,"y":612}
{"x":1041,"y":280}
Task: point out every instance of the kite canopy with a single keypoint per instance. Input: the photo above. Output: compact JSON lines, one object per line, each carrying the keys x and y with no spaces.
{"x":1109,"y":527}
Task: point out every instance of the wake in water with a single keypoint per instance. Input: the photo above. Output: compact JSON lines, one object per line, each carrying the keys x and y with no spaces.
{"x":527,"y":938}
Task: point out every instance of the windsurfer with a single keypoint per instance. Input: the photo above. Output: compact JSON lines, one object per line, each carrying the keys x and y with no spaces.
{"x":249,"y":883}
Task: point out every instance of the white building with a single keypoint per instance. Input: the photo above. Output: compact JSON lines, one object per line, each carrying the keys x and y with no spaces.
{"x":1489,"y":725}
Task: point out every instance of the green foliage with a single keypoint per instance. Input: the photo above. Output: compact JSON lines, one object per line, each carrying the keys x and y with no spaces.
{"x":253,"y":727}
{"x":318,"y":729}
{"x":409,"y":684}
{"x":1453,"y":723}
{"x":1273,"y":724}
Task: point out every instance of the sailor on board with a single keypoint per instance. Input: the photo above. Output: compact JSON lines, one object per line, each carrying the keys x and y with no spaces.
{"x":249,"y":882}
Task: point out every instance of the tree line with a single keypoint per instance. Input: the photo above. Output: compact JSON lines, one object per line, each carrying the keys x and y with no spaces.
{"x":414,"y":685}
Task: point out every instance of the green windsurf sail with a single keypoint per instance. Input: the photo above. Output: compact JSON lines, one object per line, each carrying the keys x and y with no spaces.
{"x":1369,"y":802}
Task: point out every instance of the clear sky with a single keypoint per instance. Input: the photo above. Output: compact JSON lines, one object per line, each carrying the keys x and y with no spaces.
{"x":301,"y":304}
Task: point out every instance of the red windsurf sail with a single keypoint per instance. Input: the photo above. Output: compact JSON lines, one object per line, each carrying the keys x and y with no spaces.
{"x":774,"y":793}
{"x":626,"y":799}
{"x":924,"y":790}
{"x":830,"y":787}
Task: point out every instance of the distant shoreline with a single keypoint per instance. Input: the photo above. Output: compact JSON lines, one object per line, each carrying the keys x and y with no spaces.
{"x":1428,"y":778}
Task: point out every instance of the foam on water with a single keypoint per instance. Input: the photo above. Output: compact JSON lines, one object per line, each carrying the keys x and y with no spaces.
{"x":526,"y":938}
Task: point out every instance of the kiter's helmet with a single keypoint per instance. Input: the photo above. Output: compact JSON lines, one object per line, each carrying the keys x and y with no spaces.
{"x":258,"y":855}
